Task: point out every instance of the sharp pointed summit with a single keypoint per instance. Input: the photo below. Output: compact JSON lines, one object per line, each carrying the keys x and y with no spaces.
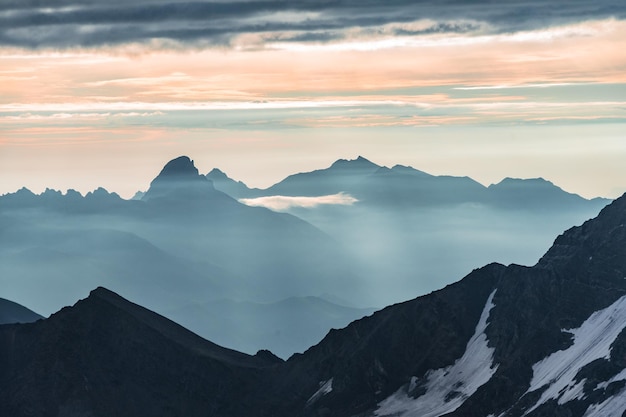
{"x":182,"y":166}
{"x":360,"y":163}
{"x":179,"y":178}
{"x":224,"y":183}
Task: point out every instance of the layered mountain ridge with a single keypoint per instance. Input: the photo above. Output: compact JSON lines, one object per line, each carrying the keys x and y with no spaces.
{"x":188,"y":242}
{"x":202,"y":252}
{"x":403,"y":223}
{"x":373,"y":184}
{"x":503,"y":341}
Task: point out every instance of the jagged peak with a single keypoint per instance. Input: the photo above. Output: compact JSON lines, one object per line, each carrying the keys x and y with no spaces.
{"x":104,"y":294}
{"x":603,"y":231}
{"x":217,"y":173}
{"x":100,"y":192}
{"x":409,"y":170}
{"x":181,"y":166}
{"x":22,"y":192}
{"x":358,"y":162}
{"x":51,"y":191}
{"x":101,"y":291}
{"x":519,"y":181}
{"x":179,"y":175}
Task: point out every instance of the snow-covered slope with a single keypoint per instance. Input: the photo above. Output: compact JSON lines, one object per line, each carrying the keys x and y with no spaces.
{"x":556,"y":374}
{"x":447,"y":388}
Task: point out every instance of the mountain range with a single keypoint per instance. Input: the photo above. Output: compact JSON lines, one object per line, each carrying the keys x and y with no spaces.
{"x":421,"y":231}
{"x":376,"y":185}
{"x":190,"y":249}
{"x":546,"y":340}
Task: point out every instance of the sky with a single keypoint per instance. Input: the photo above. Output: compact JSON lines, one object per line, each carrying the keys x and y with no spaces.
{"x":105,"y":93}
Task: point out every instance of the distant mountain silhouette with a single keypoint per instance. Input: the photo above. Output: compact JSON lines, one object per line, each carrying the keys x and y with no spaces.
{"x":179,"y":179}
{"x":187,"y":241}
{"x":409,"y":233}
{"x":402,"y":186}
{"x":342,"y":175}
{"x":510,"y":341}
{"x":408,"y":187}
{"x":235,"y":189}
{"x":515,"y":193}
{"x":11,"y":312}
{"x":284,"y":327}
{"x":419,"y":230}
{"x":72,"y":202}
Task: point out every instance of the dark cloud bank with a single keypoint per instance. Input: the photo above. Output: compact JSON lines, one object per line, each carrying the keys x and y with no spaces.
{"x":70,"y":23}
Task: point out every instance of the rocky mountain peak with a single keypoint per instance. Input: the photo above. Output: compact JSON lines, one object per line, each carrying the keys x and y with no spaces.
{"x":217,"y":173}
{"x":358,"y":163}
{"x":178,"y":178}
{"x":597,"y":241}
{"x":179,"y":167}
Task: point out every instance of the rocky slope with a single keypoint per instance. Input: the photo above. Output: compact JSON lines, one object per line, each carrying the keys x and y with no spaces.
{"x":106,"y":356}
{"x":512,"y":341}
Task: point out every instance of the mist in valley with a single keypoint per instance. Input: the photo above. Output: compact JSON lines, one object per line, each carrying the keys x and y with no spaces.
{"x":252,"y":278}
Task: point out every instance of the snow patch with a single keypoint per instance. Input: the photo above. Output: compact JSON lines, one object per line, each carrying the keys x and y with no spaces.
{"x":592,"y":340}
{"x":573,"y":391}
{"x":448,"y":388}
{"x":325,"y":388}
{"x":613,"y":406}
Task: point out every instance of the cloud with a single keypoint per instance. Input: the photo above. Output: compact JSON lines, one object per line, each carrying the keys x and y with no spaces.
{"x":510,"y":87}
{"x":90,"y":116}
{"x":282,"y":203}
{"x":80,"y":23}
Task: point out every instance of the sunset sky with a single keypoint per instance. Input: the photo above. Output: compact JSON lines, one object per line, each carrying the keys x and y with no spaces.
{"x":99,"y":93}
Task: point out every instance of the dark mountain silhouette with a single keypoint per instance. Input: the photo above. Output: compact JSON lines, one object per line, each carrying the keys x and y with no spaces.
{"x":11,"y":312}
{"x":509,"y":341}
{"x":179,"y":179}
{"x":491,"y":344}
{"x":113,"y":357}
